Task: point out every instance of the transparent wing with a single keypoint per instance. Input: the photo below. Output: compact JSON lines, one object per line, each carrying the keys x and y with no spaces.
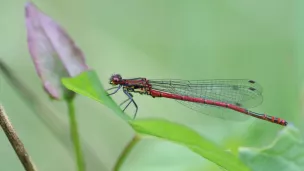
{"x":240,"y":92}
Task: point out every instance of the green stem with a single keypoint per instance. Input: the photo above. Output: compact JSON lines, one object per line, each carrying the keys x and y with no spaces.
{"x":126,"y":152}
{"x":75,"y":136}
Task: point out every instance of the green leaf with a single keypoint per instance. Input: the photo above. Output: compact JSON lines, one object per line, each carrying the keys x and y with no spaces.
{"x":88,"y":84}
{"x":185,"y":136}
{"x":286,"y":153}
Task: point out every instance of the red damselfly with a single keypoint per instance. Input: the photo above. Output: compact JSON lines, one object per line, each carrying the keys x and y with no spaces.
{"x":226,"y":98}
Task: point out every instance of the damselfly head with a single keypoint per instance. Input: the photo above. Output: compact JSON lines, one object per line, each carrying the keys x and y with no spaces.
{"x":115,"y":78}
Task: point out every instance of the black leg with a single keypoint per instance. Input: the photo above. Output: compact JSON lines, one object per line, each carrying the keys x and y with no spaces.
{"x":131,"y":100}
{"x":111,"y":88}
{"x":127,"y":105}
{"x":114,"y":91}
{"x":124,"y":102}
{"x":126,"y":99}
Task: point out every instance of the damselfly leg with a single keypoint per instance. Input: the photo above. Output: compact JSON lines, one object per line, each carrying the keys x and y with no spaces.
{"x":124,"y":102}
{"x":130,"y":99}
{"x":117,"y":88}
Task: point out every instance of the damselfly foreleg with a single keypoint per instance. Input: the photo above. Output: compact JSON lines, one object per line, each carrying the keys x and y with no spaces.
{"x":117,"y":88}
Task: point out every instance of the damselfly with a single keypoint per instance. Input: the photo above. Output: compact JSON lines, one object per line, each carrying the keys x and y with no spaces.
{"x":226,"y":98}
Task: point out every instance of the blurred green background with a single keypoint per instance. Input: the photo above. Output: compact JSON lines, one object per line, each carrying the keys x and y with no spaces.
{"x":259,"y":40}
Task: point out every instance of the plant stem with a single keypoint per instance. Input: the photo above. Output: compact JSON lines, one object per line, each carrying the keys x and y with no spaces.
{"x":126,"y":152}
{"x":48,"y":116}
{"x":16,"y":142}
{"x":75,"y":136}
